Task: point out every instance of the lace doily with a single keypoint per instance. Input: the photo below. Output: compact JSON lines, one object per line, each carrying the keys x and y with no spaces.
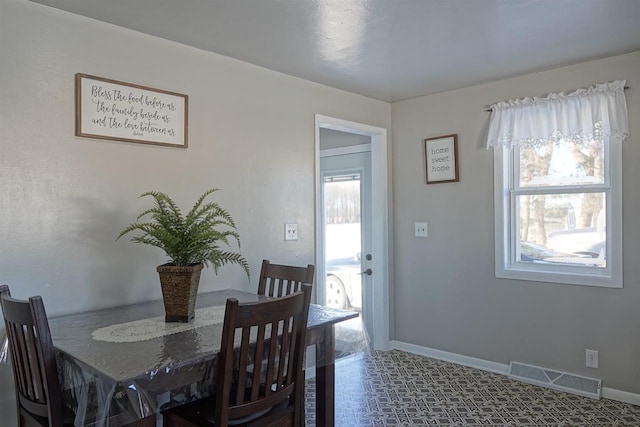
{"x":156,"y":327}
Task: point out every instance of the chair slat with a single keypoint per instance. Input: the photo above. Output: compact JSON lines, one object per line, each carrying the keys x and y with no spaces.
{"x":243,"y":364}
{"x":38,"y":371}
{"x":16,"y":356}
{"x":257,"y":360}
{"x":284,"y":349}
{"x":294,"y":347}
{"x":271,"y":358}
{"x":24,"y":366}
{"x":278,"y":280}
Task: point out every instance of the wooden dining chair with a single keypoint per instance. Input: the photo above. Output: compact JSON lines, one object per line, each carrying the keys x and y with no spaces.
{"x":260,"y":381}
{"x":278,"y":280}
{"x":35,"y":373}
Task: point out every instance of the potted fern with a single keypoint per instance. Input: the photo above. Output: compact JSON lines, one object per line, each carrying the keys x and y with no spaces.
{"x":190,"y":241}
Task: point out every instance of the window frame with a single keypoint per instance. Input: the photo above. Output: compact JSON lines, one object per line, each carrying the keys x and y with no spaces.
{"x":507,"y":266}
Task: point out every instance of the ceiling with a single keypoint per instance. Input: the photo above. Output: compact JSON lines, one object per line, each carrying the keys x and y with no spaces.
{"x":386,"y":49}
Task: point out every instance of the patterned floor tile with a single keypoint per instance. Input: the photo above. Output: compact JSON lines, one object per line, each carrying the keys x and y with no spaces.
{"x":395,"y":388}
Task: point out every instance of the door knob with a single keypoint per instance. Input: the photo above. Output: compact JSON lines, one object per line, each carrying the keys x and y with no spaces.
{"x":368,"y":272}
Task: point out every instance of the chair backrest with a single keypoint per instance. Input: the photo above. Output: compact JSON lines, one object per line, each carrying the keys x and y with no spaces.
{"x":35,"y":371}
{"x":280,"y":280}
{"x":261,"y":359}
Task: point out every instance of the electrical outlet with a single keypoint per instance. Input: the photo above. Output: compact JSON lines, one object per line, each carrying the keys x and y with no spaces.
{"x":421,"y":229}
{"x":592,"y":358}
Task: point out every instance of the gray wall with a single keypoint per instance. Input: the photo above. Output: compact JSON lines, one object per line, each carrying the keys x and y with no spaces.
{"x":64,"y":199}
{"x":330,"y":138}
{"x":446,"y":283}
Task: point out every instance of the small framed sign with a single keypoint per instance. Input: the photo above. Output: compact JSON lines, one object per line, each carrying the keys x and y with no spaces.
{"x":441,"y":159}
{"x":114,"y":110}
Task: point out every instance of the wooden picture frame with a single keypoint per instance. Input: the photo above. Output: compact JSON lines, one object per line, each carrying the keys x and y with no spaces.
{"x":441,"y":159}
{"x":118,"y":111}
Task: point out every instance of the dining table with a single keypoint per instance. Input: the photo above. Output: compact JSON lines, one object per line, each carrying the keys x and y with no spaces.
{"x":123,"y":366}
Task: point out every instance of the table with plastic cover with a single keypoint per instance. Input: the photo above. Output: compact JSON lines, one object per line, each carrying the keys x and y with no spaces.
{"x":124,"y":365}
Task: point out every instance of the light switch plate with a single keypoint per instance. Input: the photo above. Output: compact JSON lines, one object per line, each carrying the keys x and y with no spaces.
{"x":422,"y":229}
{"x":291,"y":231}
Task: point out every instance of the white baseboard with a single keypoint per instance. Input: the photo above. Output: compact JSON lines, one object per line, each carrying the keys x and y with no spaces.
{"x":472,"y":362}
{"x":498,"y":368}
{"x":621,"y":396}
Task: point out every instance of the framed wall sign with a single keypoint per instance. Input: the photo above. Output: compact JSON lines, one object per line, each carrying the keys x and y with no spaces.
{"x":114,"y":110}
{"x":441,"y":159}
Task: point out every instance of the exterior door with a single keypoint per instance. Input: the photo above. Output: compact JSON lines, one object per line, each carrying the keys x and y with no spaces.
{"x":346,"y":232}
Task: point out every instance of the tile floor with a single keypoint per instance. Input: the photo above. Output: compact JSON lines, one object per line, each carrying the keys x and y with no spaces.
{"x":395,"y":388}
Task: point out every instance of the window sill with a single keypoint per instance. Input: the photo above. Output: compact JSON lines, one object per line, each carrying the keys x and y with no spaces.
{"x":604,"y":280}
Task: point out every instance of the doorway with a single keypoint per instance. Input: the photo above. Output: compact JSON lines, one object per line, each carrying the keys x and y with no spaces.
{"x":346,"y":231}
{"x":352,"y":258}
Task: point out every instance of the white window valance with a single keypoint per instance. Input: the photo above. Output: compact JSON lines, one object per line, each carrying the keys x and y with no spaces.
{"x":597,"y":112}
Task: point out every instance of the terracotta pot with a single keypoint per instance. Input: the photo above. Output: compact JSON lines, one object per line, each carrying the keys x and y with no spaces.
{"x":179,"y":291}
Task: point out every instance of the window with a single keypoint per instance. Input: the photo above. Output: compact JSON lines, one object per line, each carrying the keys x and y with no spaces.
{"x":558,"y":204}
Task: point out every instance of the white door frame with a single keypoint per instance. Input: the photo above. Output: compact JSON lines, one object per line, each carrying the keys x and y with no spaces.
{"x":380,"y":219}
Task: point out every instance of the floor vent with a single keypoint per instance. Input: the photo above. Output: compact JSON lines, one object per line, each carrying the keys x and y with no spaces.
{"x":563,"y":381}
